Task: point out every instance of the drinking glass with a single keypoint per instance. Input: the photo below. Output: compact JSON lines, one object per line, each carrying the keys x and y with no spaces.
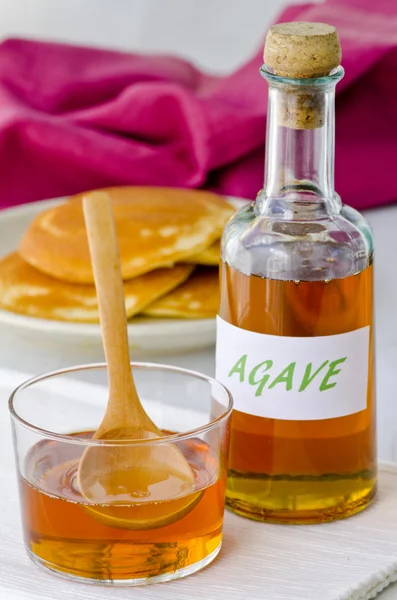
{"x":53,"y":418}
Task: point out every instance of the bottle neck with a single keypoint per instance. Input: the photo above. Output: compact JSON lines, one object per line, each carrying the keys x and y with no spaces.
{"x":299,"y":167}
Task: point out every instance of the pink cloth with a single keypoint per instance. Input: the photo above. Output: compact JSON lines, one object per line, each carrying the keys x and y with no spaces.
{"x":77,"y":118}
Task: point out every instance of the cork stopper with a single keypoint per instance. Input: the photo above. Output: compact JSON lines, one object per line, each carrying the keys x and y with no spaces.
{"x":302,"y":51}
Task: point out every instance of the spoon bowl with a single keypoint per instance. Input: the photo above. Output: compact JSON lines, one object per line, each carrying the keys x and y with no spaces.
{"x":139,"y":489}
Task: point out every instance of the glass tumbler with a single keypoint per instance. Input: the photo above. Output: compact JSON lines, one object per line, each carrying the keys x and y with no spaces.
{"x":53,"y":419}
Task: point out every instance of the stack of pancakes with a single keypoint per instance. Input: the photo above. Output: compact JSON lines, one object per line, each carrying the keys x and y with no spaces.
{"x":169,"y":249}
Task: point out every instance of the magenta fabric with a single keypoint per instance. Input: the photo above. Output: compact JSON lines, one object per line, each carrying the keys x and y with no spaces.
{"x":77,"y":118}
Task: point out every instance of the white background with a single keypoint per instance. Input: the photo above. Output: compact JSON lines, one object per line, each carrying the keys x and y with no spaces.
{"x":216,"y":34}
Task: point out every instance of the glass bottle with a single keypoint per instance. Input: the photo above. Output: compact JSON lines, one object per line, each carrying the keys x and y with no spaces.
{"x":295,"y":328}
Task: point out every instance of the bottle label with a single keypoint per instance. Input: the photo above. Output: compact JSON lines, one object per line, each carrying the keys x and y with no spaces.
{"x":293,"y":378}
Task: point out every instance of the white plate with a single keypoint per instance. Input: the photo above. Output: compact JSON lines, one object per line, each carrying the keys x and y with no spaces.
{"x":145,"y":335}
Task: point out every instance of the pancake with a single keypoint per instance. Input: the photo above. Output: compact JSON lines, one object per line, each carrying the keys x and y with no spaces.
{"x":27,"y":291}
{"x":210,"y":256}
{"x":197,"y":298}
{"x":156,"y":227}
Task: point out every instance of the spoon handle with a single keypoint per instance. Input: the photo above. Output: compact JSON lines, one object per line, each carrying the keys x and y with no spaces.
{"x":103,"y":245}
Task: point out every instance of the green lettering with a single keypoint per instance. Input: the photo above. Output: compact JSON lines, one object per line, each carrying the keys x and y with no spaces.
{"x":266,"y":364}
{"x":308,"y":378}
{"x":330,"y":373}
{"x":286,"y":376}
{"x":239,"y":367}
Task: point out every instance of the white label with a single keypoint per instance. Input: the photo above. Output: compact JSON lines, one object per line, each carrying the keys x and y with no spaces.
{"x":293,"y":378}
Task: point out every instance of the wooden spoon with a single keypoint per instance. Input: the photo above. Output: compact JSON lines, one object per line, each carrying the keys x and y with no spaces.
{"x":135,"y":486}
